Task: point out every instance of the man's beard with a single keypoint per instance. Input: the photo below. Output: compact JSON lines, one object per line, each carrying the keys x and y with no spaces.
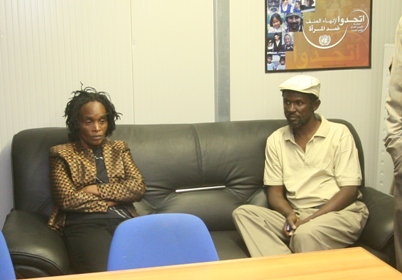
{"x":294,"y":27}
{"x":299,"y":123}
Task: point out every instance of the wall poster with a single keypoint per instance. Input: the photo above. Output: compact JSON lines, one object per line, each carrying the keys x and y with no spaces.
{"x":304,"y":35}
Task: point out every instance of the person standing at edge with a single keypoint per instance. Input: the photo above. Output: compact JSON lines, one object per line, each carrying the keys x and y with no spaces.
{"x":94,"y":181}
{"x":312,"y":174}
{"x":393,"y":139}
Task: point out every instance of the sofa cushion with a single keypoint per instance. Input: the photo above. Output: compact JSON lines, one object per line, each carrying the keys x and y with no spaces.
{"x":220,"y":166}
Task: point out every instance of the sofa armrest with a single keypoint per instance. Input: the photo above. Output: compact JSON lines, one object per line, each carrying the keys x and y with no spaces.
{"x":35,"y":249}
{"x":379,"y":230}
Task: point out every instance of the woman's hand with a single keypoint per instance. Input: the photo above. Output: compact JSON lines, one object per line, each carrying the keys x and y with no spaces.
{"x":111,"y":203}
{"x":92,"y":189}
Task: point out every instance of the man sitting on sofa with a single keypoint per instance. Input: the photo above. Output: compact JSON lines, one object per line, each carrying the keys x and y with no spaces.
{"x":312,"y":174}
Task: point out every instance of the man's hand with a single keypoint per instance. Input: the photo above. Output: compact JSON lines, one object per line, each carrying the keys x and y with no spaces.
{"x":292,"y":222}
{"x":339,"y":201}
{"x":278,"y":202}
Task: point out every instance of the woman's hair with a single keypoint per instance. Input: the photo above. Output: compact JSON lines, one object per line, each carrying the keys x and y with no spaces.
{"x":82,"y":97}
{"x":277,"y":16}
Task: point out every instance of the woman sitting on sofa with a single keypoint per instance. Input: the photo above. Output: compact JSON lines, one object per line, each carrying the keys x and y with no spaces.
{"x":94,"y":181}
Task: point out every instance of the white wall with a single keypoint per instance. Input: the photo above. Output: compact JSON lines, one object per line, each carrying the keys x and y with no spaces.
{"x":156,"y":59}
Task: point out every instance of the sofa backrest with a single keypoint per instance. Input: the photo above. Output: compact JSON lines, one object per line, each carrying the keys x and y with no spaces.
{"x":205,"y":169}
{"x":30,"y":166}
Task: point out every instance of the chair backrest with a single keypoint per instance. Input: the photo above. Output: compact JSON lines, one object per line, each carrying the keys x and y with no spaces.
{"x":160,"y":240}
{"x":6,"y":266}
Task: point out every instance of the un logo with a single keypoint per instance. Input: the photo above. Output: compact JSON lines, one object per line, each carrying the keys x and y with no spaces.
{"x":324,"y":40}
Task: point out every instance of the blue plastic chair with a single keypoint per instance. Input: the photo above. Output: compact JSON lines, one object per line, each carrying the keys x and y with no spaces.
{"x":160,"y":240}
{"x":6,"y":266}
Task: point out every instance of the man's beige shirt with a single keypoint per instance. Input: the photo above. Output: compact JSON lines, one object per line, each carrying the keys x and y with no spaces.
{"x":312,"y":177}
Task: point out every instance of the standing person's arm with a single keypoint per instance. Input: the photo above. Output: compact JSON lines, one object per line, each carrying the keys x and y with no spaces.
{"x":393,"y":140}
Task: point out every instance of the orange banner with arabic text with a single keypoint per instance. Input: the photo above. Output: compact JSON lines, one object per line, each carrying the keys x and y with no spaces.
{"x":322,"y":34}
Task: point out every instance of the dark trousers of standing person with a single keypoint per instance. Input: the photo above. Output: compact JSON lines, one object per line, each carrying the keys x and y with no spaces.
{"x":88,"y":242}
{"x":397,"y":190}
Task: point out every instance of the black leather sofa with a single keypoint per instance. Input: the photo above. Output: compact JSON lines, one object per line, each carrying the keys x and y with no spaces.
{"x":206,"y":169}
